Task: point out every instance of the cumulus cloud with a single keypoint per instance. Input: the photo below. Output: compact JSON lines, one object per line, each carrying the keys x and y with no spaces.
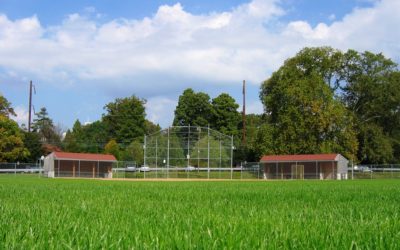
{"x":22,"y":115}
{"x":163,"y":53}
{"x":160,"y":108}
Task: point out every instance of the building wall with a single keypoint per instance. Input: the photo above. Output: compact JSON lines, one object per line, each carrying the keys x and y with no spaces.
{"x":75,"y":168}
{"x":300,"y":170}
{"x":48,"y":166}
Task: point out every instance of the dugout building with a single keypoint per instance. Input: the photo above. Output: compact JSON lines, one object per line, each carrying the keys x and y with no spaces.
{"x":65,"y":164}
{"x":310,"y":166}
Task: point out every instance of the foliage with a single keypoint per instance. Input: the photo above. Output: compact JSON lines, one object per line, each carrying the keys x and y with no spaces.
{"x":326,"y":62}
{"x":304,"y":115}
{"x":225,"y":117}
{"x":43,"y":125}
{"x":5,"y":107}
{"x":88,"y":138}
{"x":375,"y":146}
{"x":151,"y":128}
{"x":250,"y":151}
{"x":125,"y":119}
{"x":39,"y":213}
{"x":310,"y":118}
{"x":112,"y":148}
{"x":193,"y":109}
{"x":373,"y":95}
{"x":209,"y":151}
{"x":33,"y":145}
{"x":134,"y":152}
{"x":12,"y":146}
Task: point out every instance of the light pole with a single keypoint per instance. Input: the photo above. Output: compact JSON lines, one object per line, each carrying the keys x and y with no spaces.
{"x":41,"y":164}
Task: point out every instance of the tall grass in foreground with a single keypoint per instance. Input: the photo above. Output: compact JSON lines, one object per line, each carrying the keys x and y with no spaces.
{"x":55,"y":213}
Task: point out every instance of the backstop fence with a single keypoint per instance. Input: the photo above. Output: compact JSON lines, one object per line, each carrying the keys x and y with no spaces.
{"x":188,"y":147}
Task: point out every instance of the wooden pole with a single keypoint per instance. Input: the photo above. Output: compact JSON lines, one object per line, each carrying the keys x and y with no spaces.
{"x":73,"y":169}
{"x":244,"y":113}
{"x":30,"y":106}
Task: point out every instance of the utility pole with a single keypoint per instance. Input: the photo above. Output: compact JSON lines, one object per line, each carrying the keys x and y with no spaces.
{"x":244,"y":113}
{"x":30,"y":106}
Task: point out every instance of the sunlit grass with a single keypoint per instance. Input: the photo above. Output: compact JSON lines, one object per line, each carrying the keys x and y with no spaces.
{"x":56,"y":213}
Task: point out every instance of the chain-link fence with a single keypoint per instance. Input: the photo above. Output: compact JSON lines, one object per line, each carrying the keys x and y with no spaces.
{"x":252,"y":170}
{"x":245,"y":171}
{"x":188,"y":147}
{"x":20,"y":168}
{"x":375,"y":171}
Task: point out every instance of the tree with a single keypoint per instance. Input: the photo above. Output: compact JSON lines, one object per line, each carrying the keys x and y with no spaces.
{"x":134,"y":152}
{"x":93,"y":137}
{"x":89,"y":138}
{"x":5,"y":107}
{"x":375,"y":146}
{"x":225,"y":117}
{"x":112,"y":148}
{"x":125,"y":119}
{"x":43,"y":125}
{"x":305,"y":116}
{"x":11,"y":141}
{"x":372,"y":93}
{"x":209,"y":150}
{"x":33,"y":145}
{"x":71,"y":141}
{"x":193,"y":109}
{"x":263,"y":143}
{"x":250,"y":150}
{"x":151,"y":128}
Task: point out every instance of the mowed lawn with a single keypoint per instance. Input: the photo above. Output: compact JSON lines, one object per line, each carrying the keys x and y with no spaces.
{"x":60,"y":214}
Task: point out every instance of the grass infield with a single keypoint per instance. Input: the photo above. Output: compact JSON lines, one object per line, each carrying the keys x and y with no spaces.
{"x":76,"y":213}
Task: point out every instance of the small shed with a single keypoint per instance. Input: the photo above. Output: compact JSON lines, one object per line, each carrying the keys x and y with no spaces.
{"x":65,"y":164}
{"x":307,"y":166}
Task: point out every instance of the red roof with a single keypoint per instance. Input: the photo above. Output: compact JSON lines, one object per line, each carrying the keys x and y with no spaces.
{"x":83,"y":156}
{"x":292,"y":158}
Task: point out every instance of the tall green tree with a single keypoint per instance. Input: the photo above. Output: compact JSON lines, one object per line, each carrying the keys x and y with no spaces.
{"x":305,"y":116}
{"x":12,"y":146}
{"x":71,"y":141}
{"x":5,"y":107}
{"x":33,"y":145}
{"x":151,"y":128}
{"x":372,"y":93}
{"x":43,"y":125}
{"x":134,"y":152}
{"x":209,"y":151}
{"x":125,"y":119}
{"x":89,"y":138}
{"x":112,"y":148}
{"x":225,"y":117}
{"x":193,"y":109}
{"x":328,"y":63}
{"x":367,"y":84}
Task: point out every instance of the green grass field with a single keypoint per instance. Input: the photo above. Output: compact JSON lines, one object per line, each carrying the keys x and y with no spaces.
{"x":66,"y":213}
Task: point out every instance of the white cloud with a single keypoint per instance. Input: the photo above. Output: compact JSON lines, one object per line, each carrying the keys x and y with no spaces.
{"x":173,"y":48}
{"x":22,"y":115}
{"x":159,"y":110}
{"x":255,"y":107}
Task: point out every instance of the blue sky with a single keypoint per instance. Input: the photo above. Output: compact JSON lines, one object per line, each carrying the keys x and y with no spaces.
{"x":84,"y":54}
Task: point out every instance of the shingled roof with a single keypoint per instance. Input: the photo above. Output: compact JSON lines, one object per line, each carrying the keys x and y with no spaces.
{"x":83,"y":156}
{"x":301,"y":158}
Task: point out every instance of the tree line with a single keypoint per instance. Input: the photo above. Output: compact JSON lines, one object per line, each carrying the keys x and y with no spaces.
{"x":322,"y":100}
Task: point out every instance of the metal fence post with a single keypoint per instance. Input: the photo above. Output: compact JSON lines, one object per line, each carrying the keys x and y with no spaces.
{"x":391,"y":170}
{"x":371,"y":171}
